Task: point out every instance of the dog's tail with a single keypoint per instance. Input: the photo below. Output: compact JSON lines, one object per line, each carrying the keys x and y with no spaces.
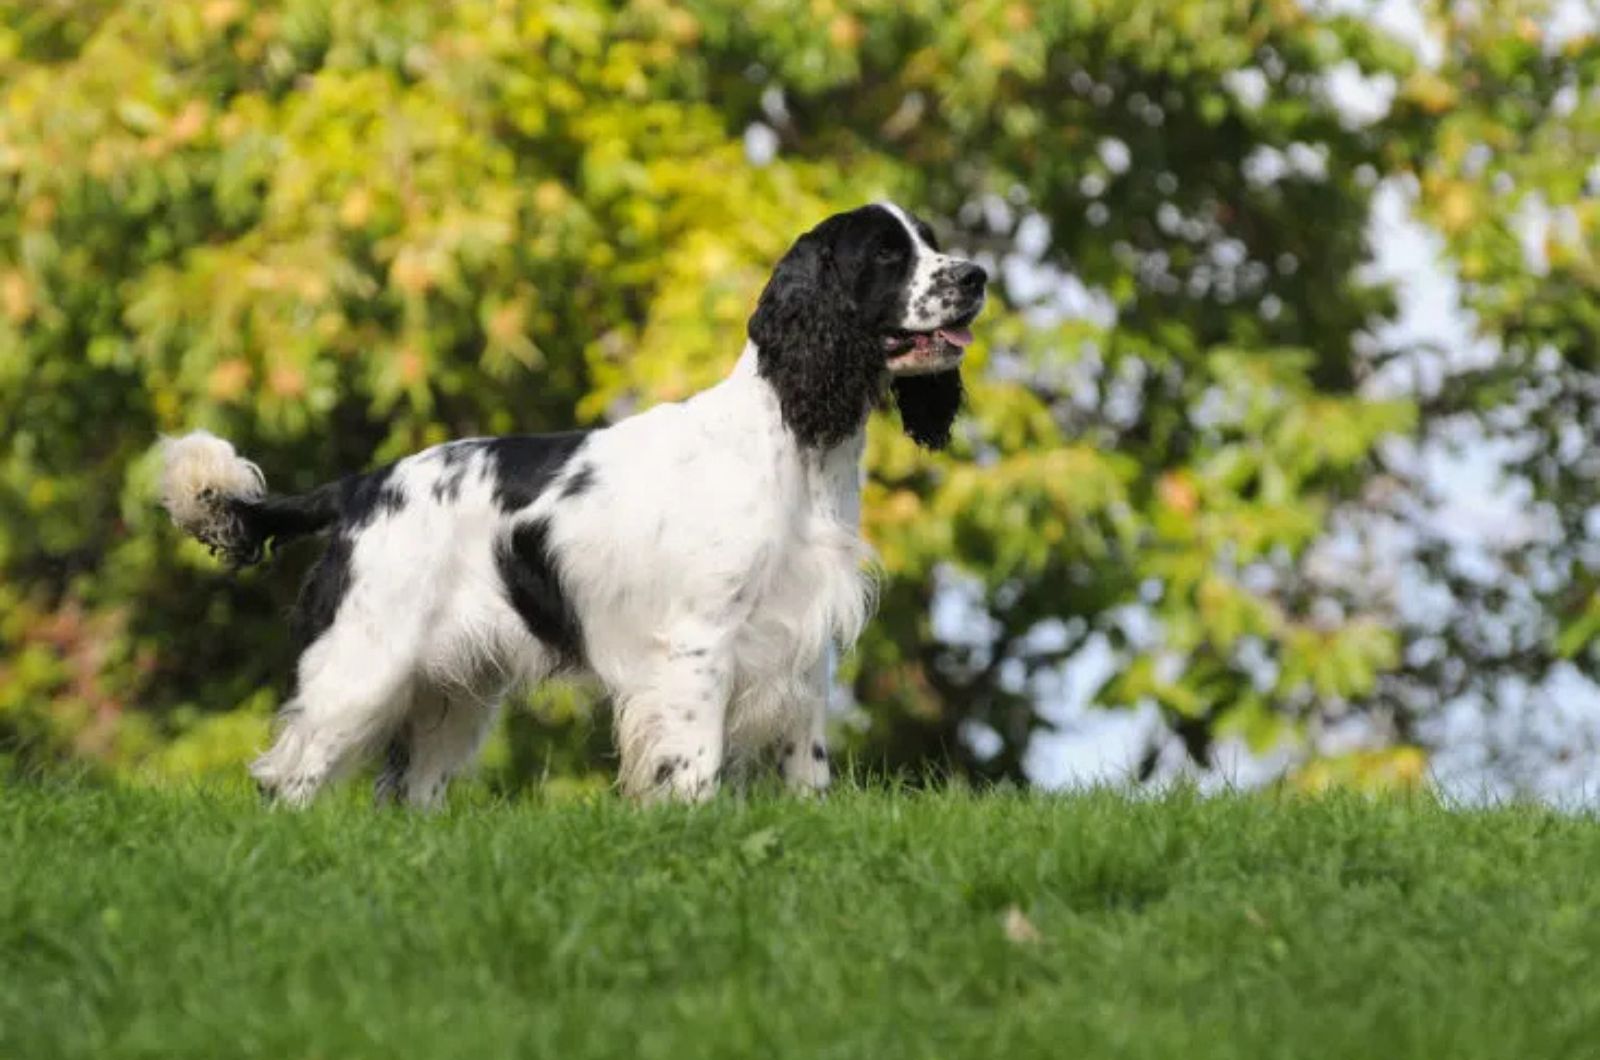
{"x":220,"y":498}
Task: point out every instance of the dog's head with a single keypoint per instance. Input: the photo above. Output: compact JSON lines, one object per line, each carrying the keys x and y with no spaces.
{"x":863,"y":297}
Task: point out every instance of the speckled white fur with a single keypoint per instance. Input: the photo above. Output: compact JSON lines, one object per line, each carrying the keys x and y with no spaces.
{"x":923,"y":308}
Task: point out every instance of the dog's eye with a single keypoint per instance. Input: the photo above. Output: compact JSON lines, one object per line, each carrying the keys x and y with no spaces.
{"x":890,"y":255}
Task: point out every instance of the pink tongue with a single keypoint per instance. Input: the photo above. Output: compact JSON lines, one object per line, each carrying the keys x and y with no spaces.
{"x":956,"y":336}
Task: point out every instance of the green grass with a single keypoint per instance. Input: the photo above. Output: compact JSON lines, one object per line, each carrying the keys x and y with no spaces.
{"x":138,"y":924}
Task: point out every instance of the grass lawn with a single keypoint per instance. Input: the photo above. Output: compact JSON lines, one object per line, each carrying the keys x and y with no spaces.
{"x":872,"y":925}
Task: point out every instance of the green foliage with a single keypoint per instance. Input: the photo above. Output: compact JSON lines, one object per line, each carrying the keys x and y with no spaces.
{"x":881,"y":924}
{"x":1505,"y":175}
{"x":337,"y":231}
{"x":1172,"y":452}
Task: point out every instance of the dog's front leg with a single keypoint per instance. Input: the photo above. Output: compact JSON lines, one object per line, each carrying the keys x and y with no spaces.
{"x":803,"y":756}
{"x":671,"y":729}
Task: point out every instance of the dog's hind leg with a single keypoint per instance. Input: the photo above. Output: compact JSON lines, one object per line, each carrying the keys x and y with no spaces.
{"x":354,"y":688}
{"x":438,"y":739}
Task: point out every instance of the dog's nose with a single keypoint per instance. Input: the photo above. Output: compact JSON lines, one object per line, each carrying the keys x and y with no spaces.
{"x":970,"y":277}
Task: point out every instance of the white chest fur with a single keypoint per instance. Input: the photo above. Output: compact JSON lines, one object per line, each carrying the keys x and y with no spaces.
{"x":811,"y":591}
{"x":712,"y":529}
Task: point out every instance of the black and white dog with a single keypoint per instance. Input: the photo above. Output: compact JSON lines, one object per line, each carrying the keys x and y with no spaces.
{"x":701,"y":559}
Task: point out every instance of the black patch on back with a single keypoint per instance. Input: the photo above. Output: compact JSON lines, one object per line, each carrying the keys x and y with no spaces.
{"x":456,"y":457}
{"x":524,"y":465}
{"x":321,"y":593}
{"x":527,"y":567}
{"x":458,"y":454}
{"x":363,"y":498}
{"x":579,"y":482}
{"x":360,"y":501}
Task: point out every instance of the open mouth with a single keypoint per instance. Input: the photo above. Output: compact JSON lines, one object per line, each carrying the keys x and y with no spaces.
{"x":916,"y":352}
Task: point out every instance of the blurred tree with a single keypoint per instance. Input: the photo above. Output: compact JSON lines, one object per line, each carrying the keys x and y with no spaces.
{"x":337,"y":231}
{"x":1507,"y":130}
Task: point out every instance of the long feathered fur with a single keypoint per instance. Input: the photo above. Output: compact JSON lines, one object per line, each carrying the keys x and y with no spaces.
{"x":928,"y":406}
{"x":826,"y":370}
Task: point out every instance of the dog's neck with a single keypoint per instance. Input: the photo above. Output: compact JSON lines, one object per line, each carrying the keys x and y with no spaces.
{"x":746,"y":370}
{"x":745,"y":366}
{"x":833,"y":474}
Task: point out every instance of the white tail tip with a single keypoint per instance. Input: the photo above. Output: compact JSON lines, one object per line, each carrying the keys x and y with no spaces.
{"x":200,"y":470}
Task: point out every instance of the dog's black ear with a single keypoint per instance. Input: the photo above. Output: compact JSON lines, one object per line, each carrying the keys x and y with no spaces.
{"x":928,"y":406}
{"x":825,"y":369}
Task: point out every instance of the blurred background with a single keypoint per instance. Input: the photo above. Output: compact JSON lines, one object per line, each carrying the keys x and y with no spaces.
{"x":1279,"y":462}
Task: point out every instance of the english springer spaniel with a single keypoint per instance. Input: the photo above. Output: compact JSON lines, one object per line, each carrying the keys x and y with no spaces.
{"x":702,"y":559}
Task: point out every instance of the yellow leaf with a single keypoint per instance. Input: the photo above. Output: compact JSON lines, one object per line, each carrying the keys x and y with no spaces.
{"x":1391,"y":769}
{"x":16,"y":296}
{"x":228,"y":379}
{"x":1455,"y":206}
{"x":1429,"y":91}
